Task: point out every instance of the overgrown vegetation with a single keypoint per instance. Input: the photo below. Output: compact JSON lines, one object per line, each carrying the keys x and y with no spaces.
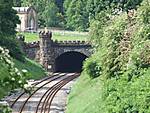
{"x":14,"y":73}
{"x":50,"y":12}
{"x":74,"y":14}
{"x":122,"y":50}
{"x":15,"y":69}
{"x":13,"y":79}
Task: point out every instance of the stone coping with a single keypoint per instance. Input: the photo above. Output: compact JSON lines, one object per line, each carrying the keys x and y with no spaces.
{"x":36,"y":44}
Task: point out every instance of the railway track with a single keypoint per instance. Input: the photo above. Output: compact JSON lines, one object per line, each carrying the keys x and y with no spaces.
{"x":46,"y":97}
{"x":34,"y":84}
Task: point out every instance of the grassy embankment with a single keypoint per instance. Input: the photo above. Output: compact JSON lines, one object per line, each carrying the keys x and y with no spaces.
{"x":35,"y":71}
{"x":84,"y":97}
{"x":58,"y":35}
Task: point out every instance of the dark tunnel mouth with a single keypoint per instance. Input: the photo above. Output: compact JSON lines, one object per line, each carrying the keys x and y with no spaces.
{"x":70,"y":62}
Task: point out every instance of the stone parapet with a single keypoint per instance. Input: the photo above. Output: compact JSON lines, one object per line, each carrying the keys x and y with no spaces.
{"x":71,"y":43}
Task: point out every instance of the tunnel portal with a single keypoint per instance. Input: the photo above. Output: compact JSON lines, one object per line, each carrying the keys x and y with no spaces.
{"x":70,"y":62}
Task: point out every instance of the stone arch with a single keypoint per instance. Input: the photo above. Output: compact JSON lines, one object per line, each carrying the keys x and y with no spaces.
{"x":70,"y":61}
{"x":62,"y":51}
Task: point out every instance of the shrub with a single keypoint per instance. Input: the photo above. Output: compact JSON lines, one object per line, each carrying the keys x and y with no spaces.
{"x":121,"y":96}
{"x":125,"y":67}
{"x":13,"y":79}
{"x":92,"y":68}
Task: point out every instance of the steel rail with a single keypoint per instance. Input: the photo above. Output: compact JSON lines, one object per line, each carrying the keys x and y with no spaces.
{"x":37,"y":90}
{"x":34,"y":84}
{"x":51,"y":97}
{"x":61,"y":84}
{"x":47,"y":92}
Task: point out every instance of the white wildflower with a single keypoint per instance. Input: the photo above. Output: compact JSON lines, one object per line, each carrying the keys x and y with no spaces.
{"x":16,"y":70}
{"x":26,"y":86}
{"x":6,"y":51}
{"x":24,"y":71}
{"x":13,"y":79}
{"x":1,"y":49}
{"x":8,"y":61}
{"x":19,"y":81}
{"x":29,"y":84}
{"x":19,"y":74}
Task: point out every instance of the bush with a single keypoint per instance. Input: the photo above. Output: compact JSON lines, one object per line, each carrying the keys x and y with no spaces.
{"x":13,"y":79}
{"x":125,"y":65}
{"x":121,"y":96}
{"x":92,"y":68}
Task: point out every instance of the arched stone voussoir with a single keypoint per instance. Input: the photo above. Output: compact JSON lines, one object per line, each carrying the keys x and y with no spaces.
{"x":61,"y":51}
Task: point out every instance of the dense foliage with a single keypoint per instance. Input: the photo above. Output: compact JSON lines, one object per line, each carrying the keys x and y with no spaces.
{"x":92,"y":67}
{"x":75,"y":14}
{"x":8,"y":23}
{"x":49,"y":11}
{"x":79,"y":13}
{"x":7,"y":28}
{"x":15,"y":78}
{"x":17,"y":3}
{"x":13,"y":45}
{"x":10,"y":76}
{"x":122,"y":50}
{"x":51,"y":15}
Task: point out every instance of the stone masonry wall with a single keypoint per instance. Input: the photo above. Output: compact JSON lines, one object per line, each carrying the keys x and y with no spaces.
{"x":46,"y":50}
{"x":32,"y":50}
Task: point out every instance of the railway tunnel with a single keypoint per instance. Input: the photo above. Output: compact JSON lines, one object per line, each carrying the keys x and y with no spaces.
{"x":70,"y":62}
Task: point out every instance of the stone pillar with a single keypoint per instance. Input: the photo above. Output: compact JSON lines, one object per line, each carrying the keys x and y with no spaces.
{"x":46,"y":50}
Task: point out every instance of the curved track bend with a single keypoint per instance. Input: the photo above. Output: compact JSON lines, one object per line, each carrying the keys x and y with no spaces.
{"x":40,"y":100}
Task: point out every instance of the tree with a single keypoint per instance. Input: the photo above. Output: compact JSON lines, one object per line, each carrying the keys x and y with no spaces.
{"x":130,"y":4}
{"x":94,"y":7}
{"x":8,"y":18}
{"x":59,"y":4}
{"x":51,"y":14}
{"x":44,"y":8}
{"x":76,"y":15}
{"x":17,"y":3}
{"x":8,"y":23}
{"x":66,"y":4}
{"x":40,"y":8}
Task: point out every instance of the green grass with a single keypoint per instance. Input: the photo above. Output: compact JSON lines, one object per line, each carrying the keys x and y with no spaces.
{"x":31,"y":37}
{"x":58,"y":35}
{"x":84,"y":97}
{"x":35,"y":71}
